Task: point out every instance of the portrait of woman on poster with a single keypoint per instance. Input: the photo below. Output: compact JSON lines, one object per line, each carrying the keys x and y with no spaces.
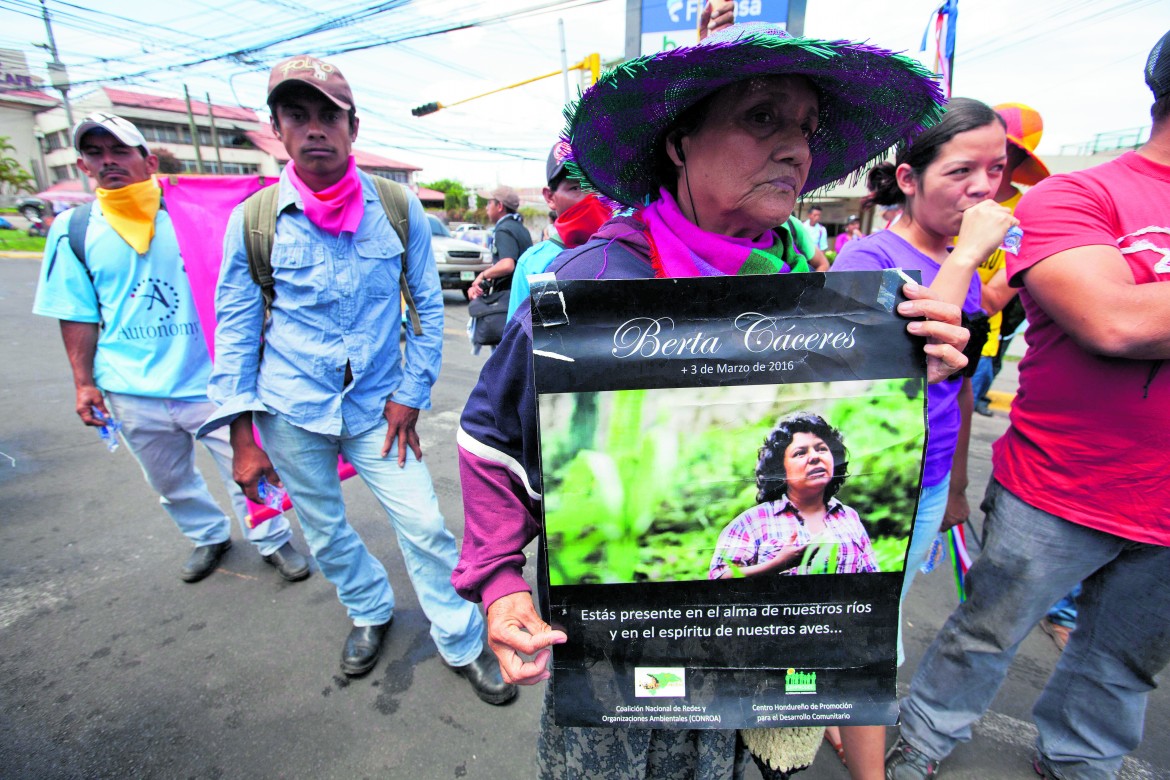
{"x":798,"y":527}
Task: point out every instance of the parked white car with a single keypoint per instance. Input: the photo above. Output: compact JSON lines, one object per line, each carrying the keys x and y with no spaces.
{"x":475,"y":234}
{"x":459,"y":262}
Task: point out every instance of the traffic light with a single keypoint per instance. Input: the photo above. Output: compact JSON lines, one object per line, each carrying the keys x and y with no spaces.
{"x":427,"y":108}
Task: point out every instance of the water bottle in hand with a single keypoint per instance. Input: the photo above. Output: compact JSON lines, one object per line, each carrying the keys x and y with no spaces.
{"x":272,"y":495}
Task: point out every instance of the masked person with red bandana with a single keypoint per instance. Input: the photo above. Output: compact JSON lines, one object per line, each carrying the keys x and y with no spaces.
{"x":331,"y":378}
{"x":579,"y":215}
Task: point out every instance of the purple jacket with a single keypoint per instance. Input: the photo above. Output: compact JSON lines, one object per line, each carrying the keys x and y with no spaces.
{"x":499,"y":463}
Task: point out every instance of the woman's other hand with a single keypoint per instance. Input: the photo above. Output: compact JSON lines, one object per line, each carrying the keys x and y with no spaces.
{"x":516,"y":632}
{"x":984,"y":226}
{"x":945,"y":336}
{"x":958,"y":511}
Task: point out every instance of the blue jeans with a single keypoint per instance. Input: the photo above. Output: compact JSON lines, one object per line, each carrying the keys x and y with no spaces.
{"x":159,"y":433}
{"x":981,"y":381}
{"x":307,"y":464}
{"x":1091,"y":712}
{"x":932,"y":505}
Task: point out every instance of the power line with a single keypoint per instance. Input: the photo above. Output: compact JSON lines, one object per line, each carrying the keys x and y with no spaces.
{"x":248,"y":54}
{"x":1124,"y":8}
{"x":534,"y":11}
{"x":350,"y":30}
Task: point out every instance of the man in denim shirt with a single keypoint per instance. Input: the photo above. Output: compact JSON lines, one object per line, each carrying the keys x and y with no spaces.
{"x":331,"y":379}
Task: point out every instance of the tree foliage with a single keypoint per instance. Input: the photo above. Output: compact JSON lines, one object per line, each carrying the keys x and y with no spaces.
{"x":455,"y":192}
{"x":13,"y":176}
{"x":167,"y":162}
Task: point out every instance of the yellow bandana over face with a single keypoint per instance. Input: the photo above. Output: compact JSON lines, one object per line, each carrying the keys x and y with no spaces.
{"x":131,"y":210}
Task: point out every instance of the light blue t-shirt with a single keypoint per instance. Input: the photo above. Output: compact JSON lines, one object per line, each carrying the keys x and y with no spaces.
{"x":533,"y":261}
{"x":150,"y":343}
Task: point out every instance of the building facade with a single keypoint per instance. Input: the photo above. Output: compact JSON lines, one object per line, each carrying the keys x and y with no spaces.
{"x":227,"y":139}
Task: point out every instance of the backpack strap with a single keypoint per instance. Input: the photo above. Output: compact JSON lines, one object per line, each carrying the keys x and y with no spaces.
{"x":78,"y":226}
{"x":259,"y":233}
{"x":394,"y":203}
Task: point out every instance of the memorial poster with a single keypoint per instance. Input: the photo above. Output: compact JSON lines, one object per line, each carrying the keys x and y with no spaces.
{"x":731,"y":468}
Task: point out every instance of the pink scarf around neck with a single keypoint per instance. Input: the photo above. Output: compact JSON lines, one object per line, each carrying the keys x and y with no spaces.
{"x":333,"y":209}
{"x":682,"y":248}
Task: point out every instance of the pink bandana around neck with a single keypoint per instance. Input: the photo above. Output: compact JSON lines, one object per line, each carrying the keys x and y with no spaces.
{"x":333,"y":209}
{"x":682,"y":248}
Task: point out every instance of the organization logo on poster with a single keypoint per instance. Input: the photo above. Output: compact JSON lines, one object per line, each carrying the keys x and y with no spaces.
{"x":800,"y":682}
{"x":659,"y":682}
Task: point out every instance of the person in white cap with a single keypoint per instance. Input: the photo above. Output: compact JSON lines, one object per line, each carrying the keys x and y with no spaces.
{"x":114,"y":278}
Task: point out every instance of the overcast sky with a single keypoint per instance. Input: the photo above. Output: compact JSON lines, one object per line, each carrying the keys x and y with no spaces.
{"x":1079,"y":62}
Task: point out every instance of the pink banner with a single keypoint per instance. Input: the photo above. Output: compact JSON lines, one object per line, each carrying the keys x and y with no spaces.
{"x":199,"y":207}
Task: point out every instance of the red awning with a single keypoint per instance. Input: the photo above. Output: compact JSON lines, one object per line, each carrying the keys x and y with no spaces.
{"x":65,"y":191}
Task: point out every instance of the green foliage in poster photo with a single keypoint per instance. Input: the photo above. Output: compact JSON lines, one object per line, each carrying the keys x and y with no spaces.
{"x":639,"y":483}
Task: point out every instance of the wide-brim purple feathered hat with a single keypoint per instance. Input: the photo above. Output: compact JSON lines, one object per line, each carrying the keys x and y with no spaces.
{"x":871,"y":99}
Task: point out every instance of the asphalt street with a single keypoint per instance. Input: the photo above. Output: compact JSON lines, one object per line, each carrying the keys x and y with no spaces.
{"x":111,"y":667}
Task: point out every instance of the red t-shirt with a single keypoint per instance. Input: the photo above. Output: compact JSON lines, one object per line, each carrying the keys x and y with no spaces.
{"x":1090,"y":436}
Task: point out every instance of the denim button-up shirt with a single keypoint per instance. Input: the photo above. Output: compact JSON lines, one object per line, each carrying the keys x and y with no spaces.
{"x":337,"y":302}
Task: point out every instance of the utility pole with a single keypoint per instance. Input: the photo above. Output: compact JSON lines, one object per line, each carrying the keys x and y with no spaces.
{"x":194,"y":131}
{"x":59,"y":78}
{"x":564,"y":59}
{"x":214,"y":134}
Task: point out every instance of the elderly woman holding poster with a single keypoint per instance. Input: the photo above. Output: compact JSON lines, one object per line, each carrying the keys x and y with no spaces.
{"x":712,"y":145}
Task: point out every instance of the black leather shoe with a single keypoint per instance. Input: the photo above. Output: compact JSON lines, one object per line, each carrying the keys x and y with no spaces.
{"x":484,"y":675}
{"x":362,"y":647}
{"x":203,"y":561}
{"x":291,"y":564}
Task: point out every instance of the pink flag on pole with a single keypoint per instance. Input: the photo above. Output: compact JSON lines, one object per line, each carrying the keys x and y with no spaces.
{"x":199,"y":207}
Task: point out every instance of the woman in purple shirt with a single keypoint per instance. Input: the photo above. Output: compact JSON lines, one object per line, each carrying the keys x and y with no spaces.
{"x":945,"y":182}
